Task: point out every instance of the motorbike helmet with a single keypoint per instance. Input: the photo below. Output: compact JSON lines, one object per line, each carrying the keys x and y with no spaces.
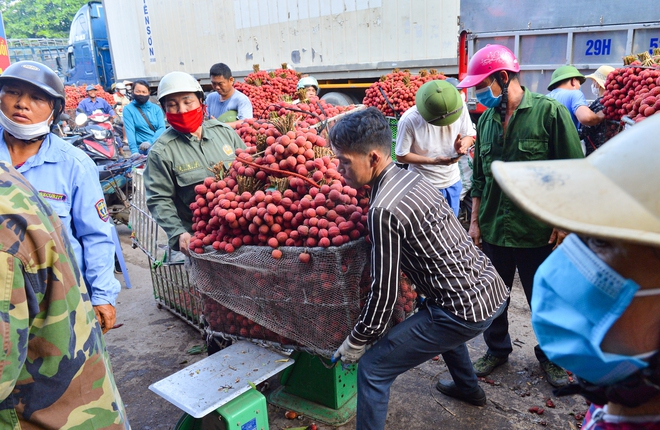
{"x":439,"y":102}
{"x":486,"y":61}
{"x":308,"y":81}
{"x":562,"y":73}
{"x":229,"y":116}
{"x":91,"y":88}
{"x":178,"y":82}
{"x":119,"y":86}
{"x":42,"y":77}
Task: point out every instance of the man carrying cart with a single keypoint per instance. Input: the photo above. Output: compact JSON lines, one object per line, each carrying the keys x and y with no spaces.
{"x":412,"y":229}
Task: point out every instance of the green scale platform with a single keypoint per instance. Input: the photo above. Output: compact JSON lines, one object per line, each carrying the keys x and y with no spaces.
{"x":318,"y":389}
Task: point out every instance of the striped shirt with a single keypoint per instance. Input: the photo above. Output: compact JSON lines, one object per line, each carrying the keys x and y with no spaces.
{"x":412,"y":228}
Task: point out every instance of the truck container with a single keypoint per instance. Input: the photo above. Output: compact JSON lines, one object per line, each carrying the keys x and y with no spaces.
{"x":587,"y":34}
{"x":345,"y":44}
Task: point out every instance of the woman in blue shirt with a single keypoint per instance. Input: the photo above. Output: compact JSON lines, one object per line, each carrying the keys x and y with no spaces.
{"x":143,"y":121}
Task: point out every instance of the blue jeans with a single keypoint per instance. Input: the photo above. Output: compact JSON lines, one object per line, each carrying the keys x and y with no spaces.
{"x":453,"y":196}
{"x":430,"y":332}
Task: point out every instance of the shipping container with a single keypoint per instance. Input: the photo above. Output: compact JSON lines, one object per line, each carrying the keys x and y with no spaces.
{"x":343,"y":43}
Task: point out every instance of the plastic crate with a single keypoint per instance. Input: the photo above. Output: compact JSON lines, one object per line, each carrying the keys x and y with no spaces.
{"x":394,"y":122}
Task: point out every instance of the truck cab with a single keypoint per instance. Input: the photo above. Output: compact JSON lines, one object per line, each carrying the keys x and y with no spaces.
{"x":88,"y":53}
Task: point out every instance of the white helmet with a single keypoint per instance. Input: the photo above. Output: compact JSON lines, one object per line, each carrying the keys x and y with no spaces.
{"x":119,"y":86}
{"x":308,"y":81}
{"x":178,"y":82}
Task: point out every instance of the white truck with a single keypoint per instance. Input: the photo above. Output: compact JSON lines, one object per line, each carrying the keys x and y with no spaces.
{"x":345,"y":44}
{"x":349,"y":44}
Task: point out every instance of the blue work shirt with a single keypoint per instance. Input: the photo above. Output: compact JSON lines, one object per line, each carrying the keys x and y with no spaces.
{"x":137,"y":129}
{"x":238,"y":102}
{"x":68,"y":180}
{"x":88,"y":106}
{"x":572,"y":99}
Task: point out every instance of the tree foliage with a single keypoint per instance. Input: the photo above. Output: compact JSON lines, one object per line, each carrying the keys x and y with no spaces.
{"x":38,"y":18}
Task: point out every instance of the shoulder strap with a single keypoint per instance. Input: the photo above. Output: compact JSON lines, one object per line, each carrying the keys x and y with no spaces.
{"x":145,"y":118}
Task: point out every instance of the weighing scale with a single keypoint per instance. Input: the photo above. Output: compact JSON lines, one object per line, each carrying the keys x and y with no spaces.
{"x":215,"y":393}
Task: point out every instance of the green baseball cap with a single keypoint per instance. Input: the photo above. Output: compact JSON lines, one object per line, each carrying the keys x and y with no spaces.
{"x":563,"y":73}
{"x":439,"y":102}
{"x":228,"y":116}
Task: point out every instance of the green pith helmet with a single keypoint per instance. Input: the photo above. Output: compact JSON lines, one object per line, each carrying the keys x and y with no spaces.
{"x":229,"y":116}
{"x":439,"y":102}
{"x":563,"y":73}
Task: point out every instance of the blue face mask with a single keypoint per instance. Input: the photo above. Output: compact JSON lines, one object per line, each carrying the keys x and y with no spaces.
{"x":485,"y":97}
{"x":577,"y":298}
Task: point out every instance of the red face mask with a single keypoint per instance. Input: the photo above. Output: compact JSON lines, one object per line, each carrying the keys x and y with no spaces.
{"x":187,"y":122}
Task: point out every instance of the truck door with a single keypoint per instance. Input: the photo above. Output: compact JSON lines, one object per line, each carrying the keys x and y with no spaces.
{"x":102,"y":57}
{"x":79,"y":56}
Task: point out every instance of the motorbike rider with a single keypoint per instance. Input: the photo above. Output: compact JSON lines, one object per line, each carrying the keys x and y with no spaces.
{"x":32,"y":99}
{"x":121,"y":100}
{"x":92,"y":103}
{"x":182,"y":156}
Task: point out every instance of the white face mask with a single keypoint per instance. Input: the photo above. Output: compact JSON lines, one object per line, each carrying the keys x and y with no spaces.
{"x":122,"y":91}
{"x":595,"y":89}
{"x":25,"y":131}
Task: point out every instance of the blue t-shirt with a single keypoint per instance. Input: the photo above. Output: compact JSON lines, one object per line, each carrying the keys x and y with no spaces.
{"x":238,"y":102}
{"x":572,"y":99}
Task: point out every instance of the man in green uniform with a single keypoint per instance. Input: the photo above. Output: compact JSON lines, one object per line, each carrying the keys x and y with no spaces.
{"x":55,"y":371}
{"x":182,"y":156}
{"x":519,"y":126}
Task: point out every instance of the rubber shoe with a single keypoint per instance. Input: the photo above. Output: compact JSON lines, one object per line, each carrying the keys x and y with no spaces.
{"x":448,"y":388}
{"x":486,"y":364}
{"x":556,"y":376}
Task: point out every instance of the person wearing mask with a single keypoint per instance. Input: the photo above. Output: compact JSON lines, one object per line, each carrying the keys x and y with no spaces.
{"x":129,"y":89}
{"x":32,"y":99}
{"x":432,"y":136}
{"x":55,"y":371}
{"x":183,"y":155}
{"x":121,"y":100}
{"x":594,"y":136}
{"x":226,"y":103}
{"x":411,"y":229}
{"x":596,"y":304}
{"x":517,"y":126}
{"x":143,"y":121}
{"x":565,"y":87}
{"x":92,"y":103}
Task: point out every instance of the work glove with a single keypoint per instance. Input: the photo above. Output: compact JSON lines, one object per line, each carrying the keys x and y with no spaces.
{"x":349,"y":353}
{"x":106,"y":316}
{"x":144,"y":146}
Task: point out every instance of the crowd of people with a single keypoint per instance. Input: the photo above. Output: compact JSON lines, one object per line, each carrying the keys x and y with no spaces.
{"x":583,"y":235}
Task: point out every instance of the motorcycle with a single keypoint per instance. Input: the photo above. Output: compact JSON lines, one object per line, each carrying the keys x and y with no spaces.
{"x":95,"y":136}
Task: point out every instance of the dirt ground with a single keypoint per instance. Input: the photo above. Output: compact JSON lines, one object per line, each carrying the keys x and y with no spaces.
{"x":153,"y":343}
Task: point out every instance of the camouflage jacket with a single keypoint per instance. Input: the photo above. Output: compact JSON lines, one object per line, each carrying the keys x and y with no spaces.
{"x":54,"y":369}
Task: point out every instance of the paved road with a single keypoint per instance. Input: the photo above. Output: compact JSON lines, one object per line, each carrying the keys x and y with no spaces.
{"x":152,"y":344}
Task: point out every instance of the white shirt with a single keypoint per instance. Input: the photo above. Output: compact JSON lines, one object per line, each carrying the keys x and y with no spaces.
{"x":415,"y":135}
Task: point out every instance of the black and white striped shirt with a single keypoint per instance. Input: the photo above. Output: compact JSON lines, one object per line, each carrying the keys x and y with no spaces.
{"x":412,"y":228}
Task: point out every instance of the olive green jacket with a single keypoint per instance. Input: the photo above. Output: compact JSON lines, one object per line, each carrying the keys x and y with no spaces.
{"x":541,"y":128}
{"x":176,"y":163}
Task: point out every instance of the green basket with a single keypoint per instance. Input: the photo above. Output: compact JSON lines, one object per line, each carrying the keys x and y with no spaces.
{"x":393,"y":127}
